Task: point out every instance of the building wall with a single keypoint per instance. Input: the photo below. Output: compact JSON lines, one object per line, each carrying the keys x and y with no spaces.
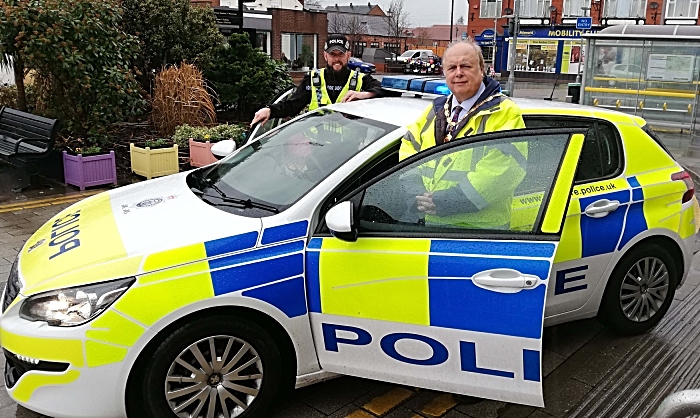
{"x":304,"y":22}
{"x":210,"y":3}
{"x":377,"y":11}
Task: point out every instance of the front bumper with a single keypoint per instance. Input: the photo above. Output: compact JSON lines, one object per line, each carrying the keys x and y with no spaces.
{"x":61,"y":372}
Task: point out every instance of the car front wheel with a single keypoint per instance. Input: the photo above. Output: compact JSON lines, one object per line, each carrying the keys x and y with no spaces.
{"x":640,"y":290}
{"x":216,"y":367}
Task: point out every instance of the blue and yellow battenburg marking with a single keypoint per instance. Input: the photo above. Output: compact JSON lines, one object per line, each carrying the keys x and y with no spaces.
{"x":223,"y":266}
{"x":427,"y":282}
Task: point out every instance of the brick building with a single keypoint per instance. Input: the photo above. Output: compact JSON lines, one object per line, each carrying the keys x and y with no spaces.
{"x":437,"y":37}
{"x":366,"y":26}
{"x":549,"y":43}
{"x":298,"y":37}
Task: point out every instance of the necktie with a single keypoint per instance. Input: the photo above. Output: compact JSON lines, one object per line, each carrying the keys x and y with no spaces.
{"x":455,"y":118}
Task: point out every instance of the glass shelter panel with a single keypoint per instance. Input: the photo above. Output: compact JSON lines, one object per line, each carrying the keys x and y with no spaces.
{"x":657,"y":80}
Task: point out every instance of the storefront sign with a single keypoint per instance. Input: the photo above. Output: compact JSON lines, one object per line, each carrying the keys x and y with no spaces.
{"x":554,"y":32}
{"x":668,"y":67}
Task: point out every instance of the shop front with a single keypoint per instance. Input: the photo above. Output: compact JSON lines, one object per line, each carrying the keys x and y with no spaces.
{"x":488,"y":44}
{"x":545,"y":52}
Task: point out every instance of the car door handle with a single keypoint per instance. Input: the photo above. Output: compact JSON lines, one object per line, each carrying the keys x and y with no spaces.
{"x":601,"y":208}
{"x":505,"y":280}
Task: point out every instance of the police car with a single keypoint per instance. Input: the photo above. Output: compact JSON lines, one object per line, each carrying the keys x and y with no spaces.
{"x":292,"y":260}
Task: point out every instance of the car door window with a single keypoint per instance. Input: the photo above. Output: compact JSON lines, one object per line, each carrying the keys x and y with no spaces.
{"x":472,"y":187}
{"x":600,"y":156}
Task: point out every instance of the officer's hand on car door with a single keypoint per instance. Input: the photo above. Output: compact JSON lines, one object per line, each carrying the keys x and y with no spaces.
{"x":261,"y":116}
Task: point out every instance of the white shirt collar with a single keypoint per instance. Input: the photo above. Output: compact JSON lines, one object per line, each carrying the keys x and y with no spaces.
{"x":467,"y":104}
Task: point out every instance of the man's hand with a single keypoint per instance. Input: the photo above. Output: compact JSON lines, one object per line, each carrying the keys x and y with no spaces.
{"x":357,"y":95}
{"x":425,"y":204}
{"x":261,"y":116}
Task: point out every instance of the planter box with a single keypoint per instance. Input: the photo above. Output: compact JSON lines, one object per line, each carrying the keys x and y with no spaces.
{"x":153,"y":162}
{"x":89,"y":171}
{"x":200,"y":153}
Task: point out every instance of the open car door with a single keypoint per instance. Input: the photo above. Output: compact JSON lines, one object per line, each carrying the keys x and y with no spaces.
{"x":454,"y":302}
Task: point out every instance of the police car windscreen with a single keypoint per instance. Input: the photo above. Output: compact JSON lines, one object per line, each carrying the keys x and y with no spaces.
{"x":284,"y":165}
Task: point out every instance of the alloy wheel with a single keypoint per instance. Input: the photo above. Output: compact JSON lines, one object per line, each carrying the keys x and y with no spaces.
{"x":644,"y":289}
{"x":216,"y":377}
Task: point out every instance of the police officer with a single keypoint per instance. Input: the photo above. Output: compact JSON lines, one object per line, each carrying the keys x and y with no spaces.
{"x":472,"y":188}
{"x":334,"y":84}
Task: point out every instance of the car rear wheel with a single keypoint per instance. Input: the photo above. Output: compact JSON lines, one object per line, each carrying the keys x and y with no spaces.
{"x":216,"y":367}
{"x":640,"y":290}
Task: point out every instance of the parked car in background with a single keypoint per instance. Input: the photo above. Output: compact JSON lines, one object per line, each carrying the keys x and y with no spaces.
{"x":430,"y":64}
{"x":414,"y":54}
{"x":359,"y":65}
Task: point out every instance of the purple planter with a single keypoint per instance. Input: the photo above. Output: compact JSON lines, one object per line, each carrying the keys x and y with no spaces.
{"x":89,"y":171}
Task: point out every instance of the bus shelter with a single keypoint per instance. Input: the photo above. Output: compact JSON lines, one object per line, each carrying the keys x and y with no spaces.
{"x":648,"y":71}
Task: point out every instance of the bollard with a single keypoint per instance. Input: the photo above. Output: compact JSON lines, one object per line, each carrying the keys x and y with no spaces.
{"x":641,"y":105}
{"x":595,"y":102}
{"x":665,"y":107}
{"x":618,"y":103}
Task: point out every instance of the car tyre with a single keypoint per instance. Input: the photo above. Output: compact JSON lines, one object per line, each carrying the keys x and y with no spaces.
{"x":246,"y":371}
{"x":640,"y":290}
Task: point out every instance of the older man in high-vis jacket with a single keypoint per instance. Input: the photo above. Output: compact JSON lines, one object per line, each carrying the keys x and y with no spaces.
{"x":473,"y":188}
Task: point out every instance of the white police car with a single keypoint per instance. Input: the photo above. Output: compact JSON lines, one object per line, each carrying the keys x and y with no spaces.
{"x":294,"y":259}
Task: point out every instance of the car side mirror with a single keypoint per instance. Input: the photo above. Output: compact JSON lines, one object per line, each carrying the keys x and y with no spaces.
{"x":223,"y":148}
{"x":341,"y":222}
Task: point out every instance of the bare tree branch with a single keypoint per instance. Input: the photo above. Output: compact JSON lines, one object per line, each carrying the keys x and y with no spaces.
{"x":397,"y":19}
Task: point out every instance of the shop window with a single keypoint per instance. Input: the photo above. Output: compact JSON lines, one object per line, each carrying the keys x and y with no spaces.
{"x":374,"y":44}
{"x":487,"y":51}
{"x":625,"y":8}
{"x":540,"y":56}
{"x":393,"y":47}
{"x":535,"y":8}
{"x":262,"y":40}
{"x":359,"y":49}
{"x":682,"y":8}
{"x":491,"y":8}
{"x":573,"y":8}
{"x":299,"y":50}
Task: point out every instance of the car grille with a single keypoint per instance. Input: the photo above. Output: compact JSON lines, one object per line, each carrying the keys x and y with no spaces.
{"x":15,"y":368}
{"x":12,"y":288}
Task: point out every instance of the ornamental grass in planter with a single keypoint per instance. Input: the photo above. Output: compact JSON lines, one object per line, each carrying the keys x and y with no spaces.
{"x":156,"y":158}
{"x":89,"y":166}
{"x":200,"y":140}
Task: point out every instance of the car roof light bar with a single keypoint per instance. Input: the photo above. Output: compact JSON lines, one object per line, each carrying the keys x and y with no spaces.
{"x":421,"y":86}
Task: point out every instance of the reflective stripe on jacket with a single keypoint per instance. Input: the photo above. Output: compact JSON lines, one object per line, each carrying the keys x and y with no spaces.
{"x":471,"y":188}
{"x":319,"y":92}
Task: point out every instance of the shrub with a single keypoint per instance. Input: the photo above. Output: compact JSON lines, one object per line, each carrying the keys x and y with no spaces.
{"x":8,"y":97}
{"x":79,"y":54}
{"x":245,"y":78}
{"x":169,"y":32}
{"x":156,"y":143}
{"x":214,"y":134}
{"x":180,"y":97}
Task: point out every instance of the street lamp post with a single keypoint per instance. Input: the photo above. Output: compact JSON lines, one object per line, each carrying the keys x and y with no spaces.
{"x":452,"y":19}
{"x":580,"y":52}
{"x":513,"y":46}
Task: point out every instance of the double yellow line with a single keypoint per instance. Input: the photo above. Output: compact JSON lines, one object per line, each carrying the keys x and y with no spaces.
{"x":49,"y":201}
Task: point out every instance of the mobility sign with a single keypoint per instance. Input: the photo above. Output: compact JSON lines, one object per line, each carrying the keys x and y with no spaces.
{"x":583,"y":23}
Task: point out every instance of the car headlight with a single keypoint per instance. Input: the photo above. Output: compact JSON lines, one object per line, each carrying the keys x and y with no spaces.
{"x":73,"y":306}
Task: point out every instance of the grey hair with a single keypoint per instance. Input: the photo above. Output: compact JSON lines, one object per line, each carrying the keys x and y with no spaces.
{"x":474,"y":45}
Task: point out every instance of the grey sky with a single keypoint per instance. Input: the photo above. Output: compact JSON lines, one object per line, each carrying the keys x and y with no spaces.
{"x":421,"y":12}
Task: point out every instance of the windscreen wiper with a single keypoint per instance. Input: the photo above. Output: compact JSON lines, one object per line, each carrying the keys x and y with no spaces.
{"x":242,"y":203}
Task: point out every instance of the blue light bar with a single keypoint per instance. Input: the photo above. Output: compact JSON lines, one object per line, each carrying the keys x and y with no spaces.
{"x":437,"y":87}
{"x":409,"y":83}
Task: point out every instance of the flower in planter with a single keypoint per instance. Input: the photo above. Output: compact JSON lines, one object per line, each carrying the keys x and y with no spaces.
{"x":157,"y":143}
{"x":91,"y":149}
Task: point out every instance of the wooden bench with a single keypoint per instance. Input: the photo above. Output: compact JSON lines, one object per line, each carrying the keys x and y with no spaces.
{"x":25,"y":138}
